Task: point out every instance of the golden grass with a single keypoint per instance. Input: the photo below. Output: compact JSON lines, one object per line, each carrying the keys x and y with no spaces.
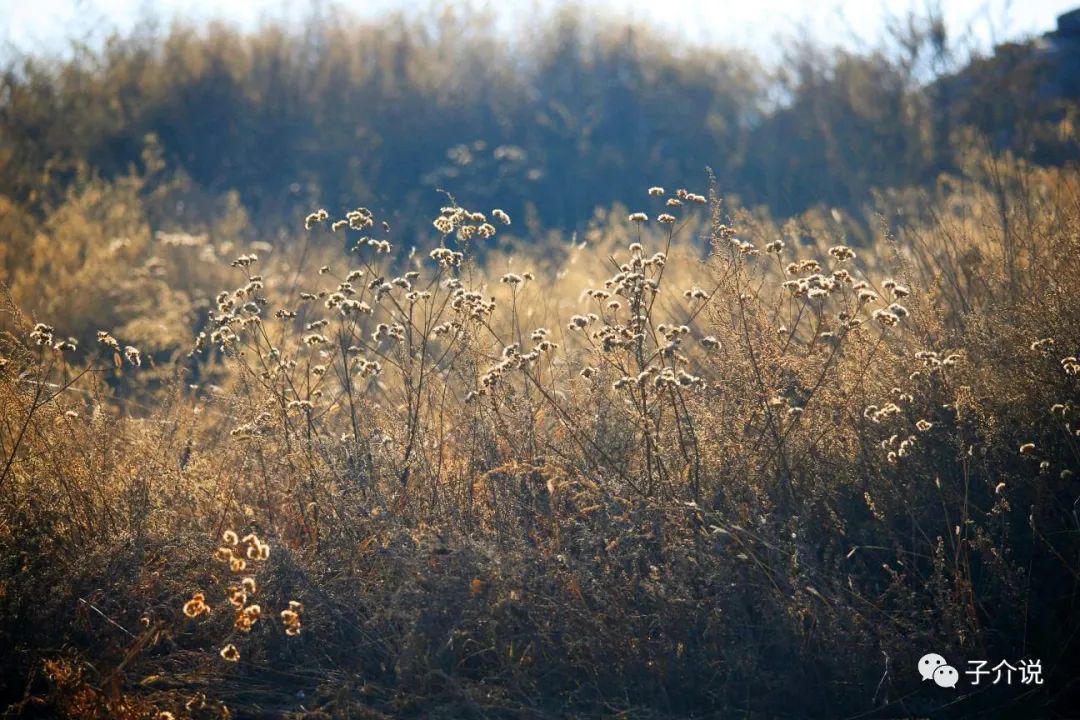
{"x":697,"y":463}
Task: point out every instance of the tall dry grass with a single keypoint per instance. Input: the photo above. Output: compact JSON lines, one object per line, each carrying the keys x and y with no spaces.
{"x":696,"y":462}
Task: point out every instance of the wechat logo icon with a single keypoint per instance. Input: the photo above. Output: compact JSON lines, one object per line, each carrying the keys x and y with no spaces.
{"x":934,"y":667}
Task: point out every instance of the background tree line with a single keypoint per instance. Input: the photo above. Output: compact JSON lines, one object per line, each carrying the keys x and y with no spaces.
{"x":340,"y":112}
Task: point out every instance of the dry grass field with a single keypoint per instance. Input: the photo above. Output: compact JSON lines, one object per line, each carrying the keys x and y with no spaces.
{"x":690,"y":461}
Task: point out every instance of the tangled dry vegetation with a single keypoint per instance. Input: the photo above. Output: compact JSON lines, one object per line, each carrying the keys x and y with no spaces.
{"x":696,"y":463}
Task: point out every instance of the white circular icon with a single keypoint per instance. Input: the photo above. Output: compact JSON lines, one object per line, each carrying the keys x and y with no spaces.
{"x":946,"y":676}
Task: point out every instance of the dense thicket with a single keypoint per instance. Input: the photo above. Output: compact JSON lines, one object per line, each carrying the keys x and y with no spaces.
{"x":339,"y":111}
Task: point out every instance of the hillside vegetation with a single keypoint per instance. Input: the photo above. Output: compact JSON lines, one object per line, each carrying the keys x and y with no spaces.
{"x":537,"y":418}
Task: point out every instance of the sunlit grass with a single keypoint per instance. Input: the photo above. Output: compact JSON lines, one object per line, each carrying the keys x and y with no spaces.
{"x":655,"y":471}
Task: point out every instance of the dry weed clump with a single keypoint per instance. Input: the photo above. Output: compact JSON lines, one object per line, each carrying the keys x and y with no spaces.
{"x":642,"y":479}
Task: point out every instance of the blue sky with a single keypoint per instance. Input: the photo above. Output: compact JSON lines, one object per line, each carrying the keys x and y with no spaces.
{"x":749,"y":24}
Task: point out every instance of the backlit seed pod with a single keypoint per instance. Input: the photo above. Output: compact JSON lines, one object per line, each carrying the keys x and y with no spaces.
{"x":196,"y":606}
